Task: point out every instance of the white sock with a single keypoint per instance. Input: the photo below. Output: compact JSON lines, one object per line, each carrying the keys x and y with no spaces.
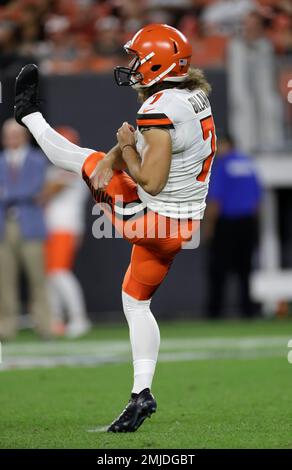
{"x":70,"y":293}
{"x":59,"y":150}
{"x":145,"y":340}
{"x":55,"y":300}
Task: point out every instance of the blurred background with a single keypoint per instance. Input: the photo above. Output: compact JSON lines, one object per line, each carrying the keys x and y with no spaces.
{"x":243,"y":267}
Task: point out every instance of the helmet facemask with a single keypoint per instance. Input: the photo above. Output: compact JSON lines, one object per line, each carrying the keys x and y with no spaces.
{"x":131,"y":76}
{"x":128,"y":76}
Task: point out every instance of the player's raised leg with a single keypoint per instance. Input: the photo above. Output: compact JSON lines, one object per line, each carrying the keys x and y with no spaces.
{"x":59,"y":150}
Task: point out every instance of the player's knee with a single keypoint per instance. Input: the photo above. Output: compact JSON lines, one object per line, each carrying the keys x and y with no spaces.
{"x":137,"y":290}
{"x":133,"y":305}
{"x":91,"y":162}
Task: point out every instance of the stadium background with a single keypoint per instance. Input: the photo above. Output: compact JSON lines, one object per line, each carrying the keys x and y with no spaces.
{"x":76,"y":44}
{"x":224,"y":383}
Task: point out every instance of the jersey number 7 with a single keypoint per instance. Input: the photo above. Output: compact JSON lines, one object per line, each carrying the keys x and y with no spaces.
{"x":208,"y":127}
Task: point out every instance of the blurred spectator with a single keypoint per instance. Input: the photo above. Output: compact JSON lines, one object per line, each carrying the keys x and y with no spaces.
{"x":30,"y":30}
{"x":281,"y":33}
{"x":65,"y":197}
{"x":255,"y":110}
{"x":133,"y":15}
{"x":225,"y":16}
{"x":108,"y":40}
{"x":209,"y":50}
{"x":231,"y":225}
{"x":73,"y":36}
{"x":10,"y":59}
{"x":58,"y":52}
{"x":22,"y":230}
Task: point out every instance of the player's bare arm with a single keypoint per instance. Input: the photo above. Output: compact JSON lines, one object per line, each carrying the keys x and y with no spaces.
{"x":104,"y":169}
{"x":151,"y":169}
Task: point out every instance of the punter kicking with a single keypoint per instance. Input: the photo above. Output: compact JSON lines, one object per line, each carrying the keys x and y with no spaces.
{"x":168,"y":161}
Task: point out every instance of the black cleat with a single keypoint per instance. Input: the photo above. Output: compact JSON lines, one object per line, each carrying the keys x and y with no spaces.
{"x":26,"y":92}
{"x":140,"y":407}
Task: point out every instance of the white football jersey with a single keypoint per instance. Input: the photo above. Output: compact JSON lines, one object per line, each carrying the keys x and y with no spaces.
{"x":65,"y":211}
{"x":187,"y":116}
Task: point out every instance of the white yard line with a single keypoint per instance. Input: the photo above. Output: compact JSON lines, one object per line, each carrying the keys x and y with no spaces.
{"x":89,"y":346}
{"x":93,"y":353}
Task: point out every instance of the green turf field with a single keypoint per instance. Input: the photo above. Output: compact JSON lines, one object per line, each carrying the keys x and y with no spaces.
{"x":218,"y":385}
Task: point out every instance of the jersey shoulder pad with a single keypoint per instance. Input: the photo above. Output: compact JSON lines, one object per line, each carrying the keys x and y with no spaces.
{"x":162,"y":109}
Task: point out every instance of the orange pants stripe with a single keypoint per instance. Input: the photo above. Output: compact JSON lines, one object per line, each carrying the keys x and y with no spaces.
{"x":60,"y":250}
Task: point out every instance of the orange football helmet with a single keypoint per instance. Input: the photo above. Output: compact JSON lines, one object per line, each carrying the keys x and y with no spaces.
{"x":161,"y":53}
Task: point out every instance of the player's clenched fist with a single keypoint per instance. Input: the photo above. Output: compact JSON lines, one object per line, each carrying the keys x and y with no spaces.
{"x":126,"y":136}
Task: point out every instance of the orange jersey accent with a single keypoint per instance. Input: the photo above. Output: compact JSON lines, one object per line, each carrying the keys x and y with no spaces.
{"x":157,"y":119}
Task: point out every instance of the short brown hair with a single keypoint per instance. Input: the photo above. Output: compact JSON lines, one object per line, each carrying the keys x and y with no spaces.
{"x":196,"y":79}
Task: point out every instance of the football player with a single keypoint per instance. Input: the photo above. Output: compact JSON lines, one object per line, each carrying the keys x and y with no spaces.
{"x":168,"y":161}
{"x":64,"y":196}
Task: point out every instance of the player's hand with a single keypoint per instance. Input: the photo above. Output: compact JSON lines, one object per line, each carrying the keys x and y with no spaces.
{"x":126,"y":135}
{"x":102,"y":174}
